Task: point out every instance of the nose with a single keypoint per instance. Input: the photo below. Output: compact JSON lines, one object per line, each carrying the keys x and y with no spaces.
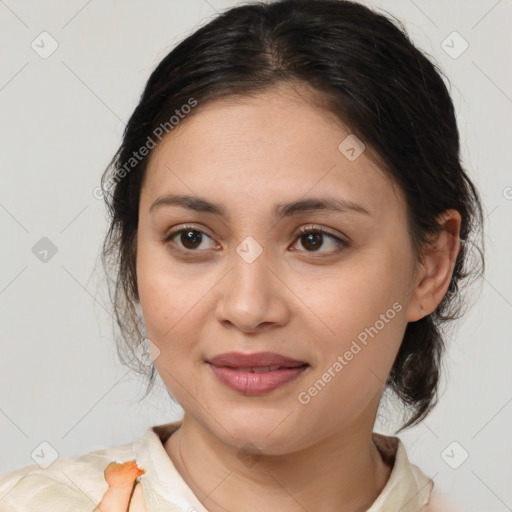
{"x":254,"y":297}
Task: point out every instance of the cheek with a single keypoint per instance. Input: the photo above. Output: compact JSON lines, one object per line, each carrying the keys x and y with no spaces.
{"x":165,"y":303}
{"x":157,"y":295}
{"x":354,"y":367}
{"x":174,"y":308}
{"x":363,"y":308}
{"x":165,"y":294}
{"x":355,"y":295}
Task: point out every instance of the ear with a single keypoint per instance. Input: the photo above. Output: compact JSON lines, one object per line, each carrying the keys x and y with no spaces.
{"x":435,"y":273}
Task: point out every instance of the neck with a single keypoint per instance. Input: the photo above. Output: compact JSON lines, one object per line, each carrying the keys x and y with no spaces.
{"x":347,"y":468}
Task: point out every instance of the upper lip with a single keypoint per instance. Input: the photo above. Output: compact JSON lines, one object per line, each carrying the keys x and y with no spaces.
{"x":258,"y":359}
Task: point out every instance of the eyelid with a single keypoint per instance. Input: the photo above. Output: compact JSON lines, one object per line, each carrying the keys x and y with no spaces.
{"x":183,"y":227}
{"x":327,"y":231}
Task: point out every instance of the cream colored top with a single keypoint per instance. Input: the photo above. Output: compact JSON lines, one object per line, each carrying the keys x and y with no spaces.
{"x":78,"y":484}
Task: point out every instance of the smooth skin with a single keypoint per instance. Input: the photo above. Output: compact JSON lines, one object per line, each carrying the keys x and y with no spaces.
{"x":200,"y":298}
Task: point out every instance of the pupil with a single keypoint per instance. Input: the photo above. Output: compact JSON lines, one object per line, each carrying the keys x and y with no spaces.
{"x":314,"y":239}
{"x":188,"y":238}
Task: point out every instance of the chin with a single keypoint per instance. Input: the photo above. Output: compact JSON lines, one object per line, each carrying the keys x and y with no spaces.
{"x":268,"y":432}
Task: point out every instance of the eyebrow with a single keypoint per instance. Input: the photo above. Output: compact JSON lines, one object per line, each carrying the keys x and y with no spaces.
{"x":281,"y":210}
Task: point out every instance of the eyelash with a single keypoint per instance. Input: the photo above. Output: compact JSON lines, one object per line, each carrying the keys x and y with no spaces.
{"x":305,"y":230}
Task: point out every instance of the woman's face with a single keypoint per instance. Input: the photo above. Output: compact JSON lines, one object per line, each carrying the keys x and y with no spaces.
{"x":247,"y":281}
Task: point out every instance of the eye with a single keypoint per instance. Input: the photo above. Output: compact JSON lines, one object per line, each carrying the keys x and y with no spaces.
{"x":313,"y":238}
{"x":191,"y":238}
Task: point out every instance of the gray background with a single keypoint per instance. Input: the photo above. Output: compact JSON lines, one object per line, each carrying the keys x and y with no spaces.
{"x":62,"y":120}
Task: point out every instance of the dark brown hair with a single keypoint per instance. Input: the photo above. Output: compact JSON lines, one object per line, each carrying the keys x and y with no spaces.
{"x":370,"y":75}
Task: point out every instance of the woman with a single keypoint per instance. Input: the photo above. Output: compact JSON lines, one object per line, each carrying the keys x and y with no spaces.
{"x":289,"y":231}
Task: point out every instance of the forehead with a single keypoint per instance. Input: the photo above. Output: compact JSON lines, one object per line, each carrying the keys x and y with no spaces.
{"x":271,"y":147}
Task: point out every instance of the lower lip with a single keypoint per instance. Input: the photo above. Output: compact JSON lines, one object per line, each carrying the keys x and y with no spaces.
{"x":249,"y":383}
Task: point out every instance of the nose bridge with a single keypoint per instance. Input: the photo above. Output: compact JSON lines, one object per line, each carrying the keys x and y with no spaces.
{"x":251,"y":266}
{"x":252,"y":278}
{"x":253,"y":295}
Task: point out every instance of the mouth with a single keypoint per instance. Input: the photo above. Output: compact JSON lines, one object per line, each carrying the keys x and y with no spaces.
{"x":261,"y":369}
{"x":256,"y":360}
{"x":255,"y":374}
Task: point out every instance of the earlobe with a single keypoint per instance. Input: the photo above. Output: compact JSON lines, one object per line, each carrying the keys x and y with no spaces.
{"x":437,"y":267}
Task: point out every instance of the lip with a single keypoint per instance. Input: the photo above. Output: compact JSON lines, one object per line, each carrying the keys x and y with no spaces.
{"x":241,"y":360}
{"x":233,"y":369}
